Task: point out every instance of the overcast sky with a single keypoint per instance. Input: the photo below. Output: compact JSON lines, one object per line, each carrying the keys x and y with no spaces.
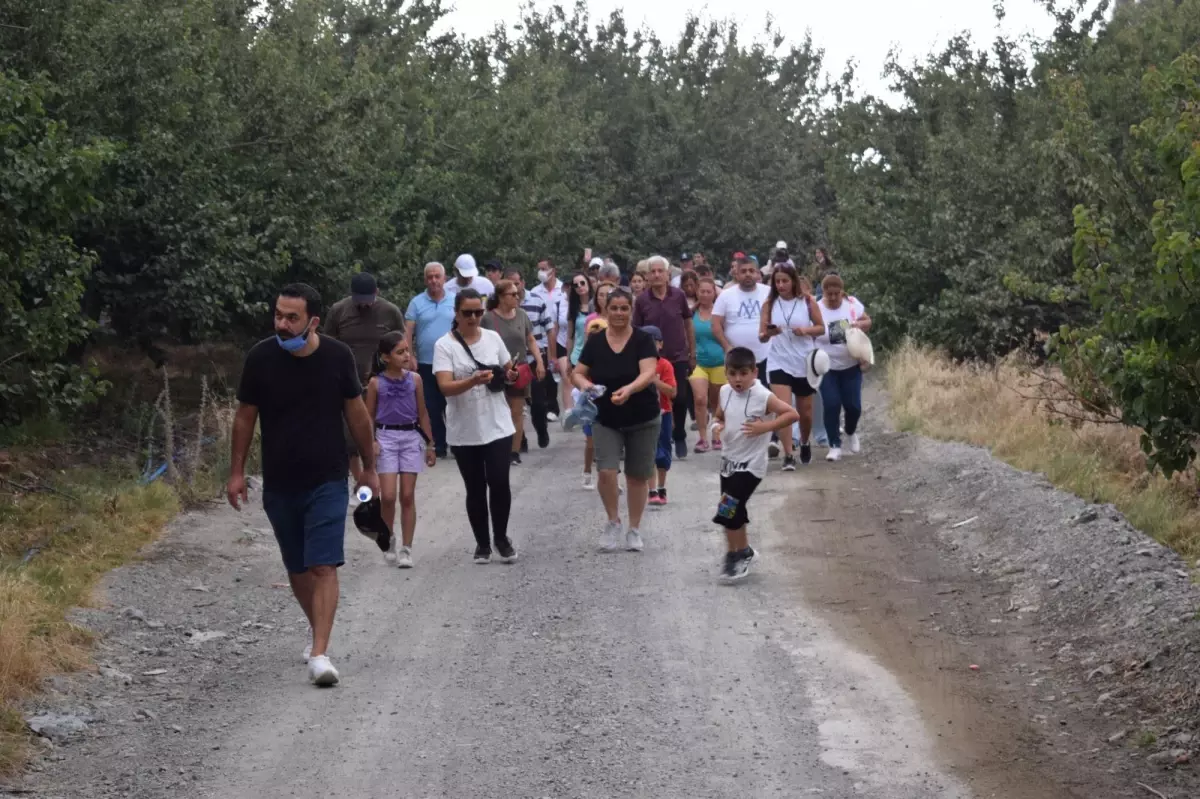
{"x":862,"y":30}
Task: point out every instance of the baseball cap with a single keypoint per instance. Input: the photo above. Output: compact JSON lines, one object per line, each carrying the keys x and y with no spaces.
{"x":654,"y":332}
{"x":465,"y":265}
{"x":595,"y":263}
{"x":368,"y":518}
{"x":363,"y":288}
{"x":739,"y":255}
{"x":781,"y":245}
{"x":686,"y":256}
{"x":494,"y":265}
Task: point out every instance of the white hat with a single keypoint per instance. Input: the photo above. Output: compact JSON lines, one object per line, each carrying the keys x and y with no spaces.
{"x":859,"y":346}
{"x":465,"y":265}
{"x":818,"y":365}
{"x":596,"y":262}
{"x":781,"y":245}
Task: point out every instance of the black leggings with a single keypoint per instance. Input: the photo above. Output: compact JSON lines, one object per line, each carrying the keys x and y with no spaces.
{"x":484,"y":470}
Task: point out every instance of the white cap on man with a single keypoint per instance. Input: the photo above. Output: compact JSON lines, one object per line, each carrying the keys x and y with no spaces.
{"x":595,"y":262}
{"x":465,"y":265}
{"x":781,"y":245}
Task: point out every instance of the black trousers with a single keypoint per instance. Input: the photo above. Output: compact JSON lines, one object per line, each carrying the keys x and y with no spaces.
{"x":484,"y":470}
{"x":537,"y":399}
{"x":682,"y":401}
{"x":549,"y":387}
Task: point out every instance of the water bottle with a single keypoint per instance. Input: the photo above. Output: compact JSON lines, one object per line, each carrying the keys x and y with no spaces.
{"x":364,"y":494}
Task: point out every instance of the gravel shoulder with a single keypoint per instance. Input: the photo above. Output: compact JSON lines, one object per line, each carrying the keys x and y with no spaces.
{"x":841,"y":669}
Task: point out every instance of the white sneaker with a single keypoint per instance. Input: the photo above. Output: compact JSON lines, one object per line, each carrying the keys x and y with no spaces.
{"x":308,"y":646}
{"x":321,"y":671}
{"x":610,"y":538}
{"x":404,"y":558}
{"x":633,"y":541}
{"x":551,"y":416}
{"x":834,"y":454}
{"x":852,"y":444}
{"x":589,"y":480}
{"x":390,"y":555}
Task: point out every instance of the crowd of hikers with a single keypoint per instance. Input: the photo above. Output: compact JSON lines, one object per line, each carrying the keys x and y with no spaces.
{"x":625,"y":357}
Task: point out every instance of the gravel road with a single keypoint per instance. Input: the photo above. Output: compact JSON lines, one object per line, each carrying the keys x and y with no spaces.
{"x":839,"y":669}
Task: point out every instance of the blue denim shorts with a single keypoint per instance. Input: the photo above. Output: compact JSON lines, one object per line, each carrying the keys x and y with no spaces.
{"x":310,"y":526}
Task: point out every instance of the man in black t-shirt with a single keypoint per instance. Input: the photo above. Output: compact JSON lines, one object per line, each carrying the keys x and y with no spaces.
{"x":299,"y":386}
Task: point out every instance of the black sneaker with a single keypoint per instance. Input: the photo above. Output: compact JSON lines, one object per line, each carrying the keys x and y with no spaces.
{"x":515,"y":459}
{"x":789,"y":463}
{"x":507,"y":553}
{"x":442,"y":454}
{"x":681,"y":450}
{"x":737,"y":565}
{"x":525,"y":444}
{"x":482,"y":555}
{"x":543,"y":439}
{"x":806,"y":453}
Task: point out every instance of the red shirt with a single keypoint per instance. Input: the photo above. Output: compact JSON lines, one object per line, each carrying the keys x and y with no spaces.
{"x":666,"y":373}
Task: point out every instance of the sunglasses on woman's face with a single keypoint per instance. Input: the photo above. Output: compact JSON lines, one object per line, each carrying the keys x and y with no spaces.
{"x":476,"y":313}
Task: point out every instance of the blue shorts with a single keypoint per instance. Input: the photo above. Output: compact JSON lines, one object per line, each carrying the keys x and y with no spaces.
{"x":587,"y":430}
{"x":662,"y":453}
{"x":310,"y":526}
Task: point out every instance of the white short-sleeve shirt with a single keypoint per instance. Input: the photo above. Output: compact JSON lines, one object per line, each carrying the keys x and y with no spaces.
{"x":837,"y":322}
{"x":740,"y":311}
{"x":789,"y":352}
{"x":477,"y":416}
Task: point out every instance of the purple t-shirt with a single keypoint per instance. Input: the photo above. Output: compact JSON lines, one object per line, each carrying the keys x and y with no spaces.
{"x":670,"y":315}
{"x":397,"y":400}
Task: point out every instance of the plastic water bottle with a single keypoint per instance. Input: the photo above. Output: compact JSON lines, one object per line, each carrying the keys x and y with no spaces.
{"x":364,"y":494}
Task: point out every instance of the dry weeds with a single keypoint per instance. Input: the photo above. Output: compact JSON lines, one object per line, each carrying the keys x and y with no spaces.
{"x":1025,"y":418}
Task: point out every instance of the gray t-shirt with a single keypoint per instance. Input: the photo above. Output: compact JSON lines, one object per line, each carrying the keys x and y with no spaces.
{"x":515,"y":332}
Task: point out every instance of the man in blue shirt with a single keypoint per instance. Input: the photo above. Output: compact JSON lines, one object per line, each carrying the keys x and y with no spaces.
{"x":428,"y":318}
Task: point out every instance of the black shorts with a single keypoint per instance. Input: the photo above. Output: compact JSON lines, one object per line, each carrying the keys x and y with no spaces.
{"x":736,"y":490}
{"x":799,"y":385}
{"x":762,"y":373}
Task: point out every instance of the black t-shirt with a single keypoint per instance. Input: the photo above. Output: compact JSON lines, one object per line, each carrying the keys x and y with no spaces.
{"x":616,"y":369}
{"x":301,"y":403}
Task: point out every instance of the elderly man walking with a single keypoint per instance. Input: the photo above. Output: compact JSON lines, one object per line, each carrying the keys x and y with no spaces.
{"x":359,"y":321}
{"x":666,"y":307}
{"x":301,"y":386}
{"x":429,"y":317}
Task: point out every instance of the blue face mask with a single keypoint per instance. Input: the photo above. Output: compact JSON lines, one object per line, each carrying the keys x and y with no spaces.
{"x":293,"y":344}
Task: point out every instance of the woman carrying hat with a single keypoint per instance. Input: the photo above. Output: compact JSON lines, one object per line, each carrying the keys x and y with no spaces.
{"x":841,"y":388}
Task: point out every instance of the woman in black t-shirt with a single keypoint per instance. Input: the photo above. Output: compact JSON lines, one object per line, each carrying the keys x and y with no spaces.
{"x":623,"y":360}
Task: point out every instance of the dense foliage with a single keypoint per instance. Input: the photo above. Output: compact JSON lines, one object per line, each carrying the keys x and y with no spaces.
{"x":168,"y":163}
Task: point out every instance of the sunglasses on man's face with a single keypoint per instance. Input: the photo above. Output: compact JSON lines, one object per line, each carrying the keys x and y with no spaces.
{"x":477,"y":313}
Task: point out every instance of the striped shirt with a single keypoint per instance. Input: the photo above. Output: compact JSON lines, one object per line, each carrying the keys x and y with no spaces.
{"x":535,"y":308}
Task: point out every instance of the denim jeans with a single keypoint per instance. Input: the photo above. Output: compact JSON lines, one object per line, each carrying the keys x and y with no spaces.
{"x":842,"y":389}
{"x":435,"y":403}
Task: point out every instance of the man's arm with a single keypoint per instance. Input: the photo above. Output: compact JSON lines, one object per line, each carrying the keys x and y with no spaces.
{"x":244,"y":420}
{"x":363,"y":433}
{"x":691,"y":340}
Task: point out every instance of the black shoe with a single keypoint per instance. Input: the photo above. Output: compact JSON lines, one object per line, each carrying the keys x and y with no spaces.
{"x":737,"y":565}
{"x":515,"y":458}
{"x":525,"y":445}
{"x":543,"y":440}
{"x":806,"y":453}
{"x":789,"y":463}
{"x":507,"y":553}
{"x":441,"y":454}
{"x":681,"y":449}
{"x":482,"y":555}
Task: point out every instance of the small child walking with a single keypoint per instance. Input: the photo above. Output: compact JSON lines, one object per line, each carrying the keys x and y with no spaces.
{"x":396,"y":401}
{"x":743,"y":422}
{"x":664,"y":381}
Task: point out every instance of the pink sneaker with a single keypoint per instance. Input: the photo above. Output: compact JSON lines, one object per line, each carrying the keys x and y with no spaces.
{"x":701,"y":447}
{"x":717,"y":446}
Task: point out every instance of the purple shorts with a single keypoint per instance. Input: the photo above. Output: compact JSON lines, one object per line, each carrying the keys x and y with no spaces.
{"x":400,"y":452}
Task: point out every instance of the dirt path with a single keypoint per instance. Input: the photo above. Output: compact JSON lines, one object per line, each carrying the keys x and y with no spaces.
{"x":841,"y":669}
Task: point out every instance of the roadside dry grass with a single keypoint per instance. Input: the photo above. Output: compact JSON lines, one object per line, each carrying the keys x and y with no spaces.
{"x":993,"y":407}
{"x":72,"y":508}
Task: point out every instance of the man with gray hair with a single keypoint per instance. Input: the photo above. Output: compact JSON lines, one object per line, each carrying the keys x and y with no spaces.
{"x":428,"y":318}
{"x":609,"y":273}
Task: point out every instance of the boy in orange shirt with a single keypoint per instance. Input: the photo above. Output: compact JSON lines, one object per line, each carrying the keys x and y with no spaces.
{"x":664,"y":381}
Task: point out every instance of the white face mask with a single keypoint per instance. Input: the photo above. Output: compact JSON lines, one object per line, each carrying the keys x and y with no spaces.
{"x":543,"y":275}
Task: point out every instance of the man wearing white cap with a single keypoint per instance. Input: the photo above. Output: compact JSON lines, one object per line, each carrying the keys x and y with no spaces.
{"x":468,"y":277}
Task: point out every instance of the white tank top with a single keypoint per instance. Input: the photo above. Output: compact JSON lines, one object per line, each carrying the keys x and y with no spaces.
{"x":789,"y":351}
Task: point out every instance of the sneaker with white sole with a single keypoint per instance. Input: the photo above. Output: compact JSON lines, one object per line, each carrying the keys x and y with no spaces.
{"x":773,"y":449}
{"x":308,"y":649}
{"x":834,"y":454}
{"x":853,"y":444}
{"x":633,"y":541}
{"x":404,"y":558}
{"x":589,"y":480}
{"x":390,"y":555}
{"x":610,"y":539}
{"x":551,"y":416}
{"x":321,"y":672}
{"x":482,"y":556}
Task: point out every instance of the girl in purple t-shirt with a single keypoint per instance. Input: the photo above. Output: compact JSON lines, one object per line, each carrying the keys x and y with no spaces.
{"x":396,"y":402}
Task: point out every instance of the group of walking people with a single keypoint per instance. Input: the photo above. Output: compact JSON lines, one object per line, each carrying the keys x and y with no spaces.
{"x":385,"y":394}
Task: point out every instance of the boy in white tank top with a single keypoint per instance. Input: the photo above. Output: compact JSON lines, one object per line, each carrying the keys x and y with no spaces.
{"x":746,"y":416}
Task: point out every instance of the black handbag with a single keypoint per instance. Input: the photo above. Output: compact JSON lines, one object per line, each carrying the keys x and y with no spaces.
{"x":498,"y":381}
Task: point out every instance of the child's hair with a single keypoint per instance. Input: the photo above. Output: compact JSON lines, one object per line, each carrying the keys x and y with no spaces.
{"x":740,"y":359}
{"x":387,"y":343}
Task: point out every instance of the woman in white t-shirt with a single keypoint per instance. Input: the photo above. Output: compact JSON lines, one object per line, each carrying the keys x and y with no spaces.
{"x":472,"y":367}
{"x":841,"y":388}
{"x":791,"y":319}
